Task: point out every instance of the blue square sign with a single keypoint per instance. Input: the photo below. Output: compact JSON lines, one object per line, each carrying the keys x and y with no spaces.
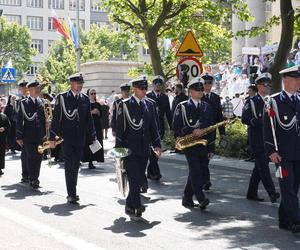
{"x":8,"y":75}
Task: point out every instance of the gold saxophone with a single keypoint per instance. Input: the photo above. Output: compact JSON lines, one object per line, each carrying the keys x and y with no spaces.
{"x":190,"y":140}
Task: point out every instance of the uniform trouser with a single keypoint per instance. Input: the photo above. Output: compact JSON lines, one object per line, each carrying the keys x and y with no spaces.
{"x":261,"y":172}
{"x":72,"y":162}
{"x":2,"y":156}
{"x":33,"y":160}
{"x":206,"y":173}
{"x":289,"y":207}
{"x":153,"y":168}
{"x":195,"y":179}
{"x":135,"y":168}
{"x":24,"y":163}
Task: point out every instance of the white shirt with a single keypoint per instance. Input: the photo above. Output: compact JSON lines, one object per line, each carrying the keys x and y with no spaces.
{"x":138,"y":100}
{"x":238,"y":105}
{"x":290,"y":95}
{"x":196,"y":102}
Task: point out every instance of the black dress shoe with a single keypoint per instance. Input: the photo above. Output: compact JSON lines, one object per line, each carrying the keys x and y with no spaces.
{"x":129,"y":211}
{"x":274,"y":197}
{"x":24,"y":180}
{"x":1,"y":172}
{"x":139,"y":211}
{"x":254,"y":198}
{"x":284,"y":226}
{"x":295,"y":228}
{"x":73,"y":199}
{"x":91,"y":165}
{"x":187,"y":202}
{"x":203,"y":204}
{"x":154,"y":177}
{"x":144,"y":188}
{"x":207,"y":186}
{"x":35,"y":184}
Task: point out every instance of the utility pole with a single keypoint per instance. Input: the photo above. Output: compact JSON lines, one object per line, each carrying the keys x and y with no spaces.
{"x":78,"y":33}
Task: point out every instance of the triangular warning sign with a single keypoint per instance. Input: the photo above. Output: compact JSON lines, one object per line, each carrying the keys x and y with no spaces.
{"x":189,"y":46}
{"x":8,"y":75}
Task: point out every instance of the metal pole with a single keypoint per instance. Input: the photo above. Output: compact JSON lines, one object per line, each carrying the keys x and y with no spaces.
{"x":78,"y":33}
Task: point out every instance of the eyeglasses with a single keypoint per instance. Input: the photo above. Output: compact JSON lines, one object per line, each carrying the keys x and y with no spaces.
{"x":92,"y":93}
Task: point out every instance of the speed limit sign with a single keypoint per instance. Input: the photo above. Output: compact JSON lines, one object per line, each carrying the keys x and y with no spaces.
{"x":187,"y":69}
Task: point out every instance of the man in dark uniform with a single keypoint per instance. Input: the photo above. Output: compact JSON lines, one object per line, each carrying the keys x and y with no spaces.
{"x":191,"y":117}
{"x":215,"y":103}
{"x":284,"y":149}
{"x":252,"y":116}
{"x":73,"y":122}
{"x":125,"y":90}
{"x":180,"y":96}
{"x":31,"y":130}
{"x":163,"y":109}
{"x":4,"y":128}
{"x":23,"y":95}
{"x":137,"y":129}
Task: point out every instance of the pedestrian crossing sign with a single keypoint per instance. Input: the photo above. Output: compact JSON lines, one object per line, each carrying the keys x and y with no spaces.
{"x":189,"y":46}
{"x":8,"y":75}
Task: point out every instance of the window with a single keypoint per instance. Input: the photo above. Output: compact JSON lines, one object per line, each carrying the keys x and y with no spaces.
{"x":38,"y":45}
{"x":81,"y":23}
{"x":99,"y":24}
{"x":11,"y":2}
{"x":116,"y":27}
{"x":50,"y":43}
{"x":50,"y":24}
{"x":13,"y":18}
{"x":35,"y":22}
{"x":35,"y":3}
{"x":72,"y":4}
{"x":56,"y":4}
{"x":146,"y":51}
{"x":33,"y":70}
{"x":96,"y":5}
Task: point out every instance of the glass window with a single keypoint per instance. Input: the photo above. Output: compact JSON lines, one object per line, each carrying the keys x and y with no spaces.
{"x":72,"y":4}
{"x":50,"y":24}
{"x":35,"y":3}
{"x":56,"y":4}
{"x":33,"y":70}
{"x":50,"y":43}
{"x":146,"y":51}
{"x":35,"y":22}
{"x":11,"y":2}
{"x":38,"y":45}
{"x":81,"y":23}
{"x":99,"y":24}
{"x":13,"y":18}
{"x":96,"y":5}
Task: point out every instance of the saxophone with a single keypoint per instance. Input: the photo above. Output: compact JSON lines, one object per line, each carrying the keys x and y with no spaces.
{"x":191,"y":140}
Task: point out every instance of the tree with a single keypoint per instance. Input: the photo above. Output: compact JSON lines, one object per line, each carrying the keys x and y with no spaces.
{"x":286,"y":41}
{"x":96,"y":44}
{"x":158,"y":19}
{"x":15,"y":44}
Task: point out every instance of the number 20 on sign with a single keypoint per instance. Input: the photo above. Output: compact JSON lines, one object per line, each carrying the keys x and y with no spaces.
{"x":188,"y":68}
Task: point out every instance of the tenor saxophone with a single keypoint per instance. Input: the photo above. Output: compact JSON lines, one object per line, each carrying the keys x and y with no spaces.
{"x":191,"y":140}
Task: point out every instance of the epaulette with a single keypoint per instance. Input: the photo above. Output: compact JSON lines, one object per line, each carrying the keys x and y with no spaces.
{"x":126,"y":100}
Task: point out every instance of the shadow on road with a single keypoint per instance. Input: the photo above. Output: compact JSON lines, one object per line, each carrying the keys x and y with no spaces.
{"x":63,"y":209}
{"x":131,"y":228}
{"x":21,"y":191}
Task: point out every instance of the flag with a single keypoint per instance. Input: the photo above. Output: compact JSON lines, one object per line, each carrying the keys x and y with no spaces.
{"x":73,"y":33}
{"x":61,"y":27}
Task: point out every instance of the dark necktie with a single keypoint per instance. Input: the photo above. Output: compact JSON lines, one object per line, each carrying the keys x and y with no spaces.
{"x":207,"y":96}
{"x":293,"y":98}
{"x":198,"y":105}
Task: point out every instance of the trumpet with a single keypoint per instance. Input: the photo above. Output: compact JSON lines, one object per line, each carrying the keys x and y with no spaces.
{"x":46,"y":144}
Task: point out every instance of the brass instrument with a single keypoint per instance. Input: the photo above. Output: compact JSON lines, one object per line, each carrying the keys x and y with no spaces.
{"x":46,"y":144}
{"x":190,"y":140}
{"x":118,"y":154}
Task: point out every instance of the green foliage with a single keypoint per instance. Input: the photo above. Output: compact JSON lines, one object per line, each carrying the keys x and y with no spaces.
{"x":236,"y":138}
{"x":97,"y":44}
{"x":15,"y":44}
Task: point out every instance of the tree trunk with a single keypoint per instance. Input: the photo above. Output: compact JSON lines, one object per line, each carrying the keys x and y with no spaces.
{"x":151,"y":39}
{"x":285,"y":45}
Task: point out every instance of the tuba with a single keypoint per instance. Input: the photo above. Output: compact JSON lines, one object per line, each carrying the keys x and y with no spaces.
{"x":119,"y":154}
{"x":190,"y":140}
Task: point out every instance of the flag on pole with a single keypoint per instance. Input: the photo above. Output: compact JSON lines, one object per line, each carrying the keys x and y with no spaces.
{"x":61,"y":27}
{"x":73,"y":33}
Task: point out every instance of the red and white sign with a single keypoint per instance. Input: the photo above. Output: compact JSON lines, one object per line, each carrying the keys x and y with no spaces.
{"x":188,"y":68}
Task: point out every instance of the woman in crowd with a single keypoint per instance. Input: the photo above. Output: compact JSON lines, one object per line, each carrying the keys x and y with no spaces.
{"x":96,"y":112}
{"x":10,"y":112}
{"x":105,"y":116}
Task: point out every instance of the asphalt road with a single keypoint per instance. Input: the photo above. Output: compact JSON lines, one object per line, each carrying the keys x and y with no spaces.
{"x":43,"y":220}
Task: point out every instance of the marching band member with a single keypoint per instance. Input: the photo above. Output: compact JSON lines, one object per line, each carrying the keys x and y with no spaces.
{"x":163,"y":109}
{"x":72,"y":120}
{"x":137,"y":129}
{"x":214,"y":101}
{"x":253,"y":117}
{"x":23,"y":91}
{"x":31,"y":130}
{"x":125,"y":90}
{"x":191,"y":117}
{"x":284,"y":149}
